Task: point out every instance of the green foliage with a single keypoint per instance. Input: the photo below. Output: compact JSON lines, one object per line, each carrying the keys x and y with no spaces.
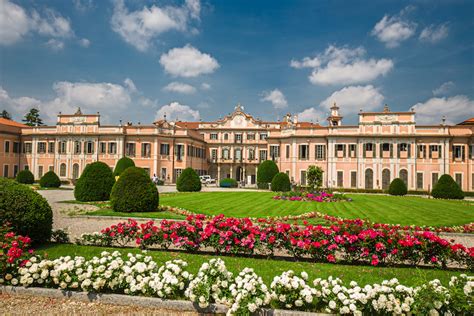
{"x":4,"y":114}
{"x":32,"y":118}
{"x":447,"y":188}
{"x":123,"y":164}
{"x":188,"y":181}
{"x":281,"y":183}
{"x":50,"y":180}
{"x":95,"y":183}
{"x":27,"y":212}
{"x":266,"y":171}
{"x":134,"y":192}
{"x":228,"y":183}
{"x":25,"y":177}
{"x":397,"y":187}
{"x":314,"y":177}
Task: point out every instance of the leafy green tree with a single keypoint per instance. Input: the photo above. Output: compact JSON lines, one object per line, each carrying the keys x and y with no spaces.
{"x":32,"y":118}
{"x":4,"y":114}
{"x":314,"y":176}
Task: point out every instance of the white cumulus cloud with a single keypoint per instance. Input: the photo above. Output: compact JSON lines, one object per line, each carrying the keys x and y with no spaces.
{"x":84,"y":42}
{"x":343,"y":66}
{"x":456,"y":109}
{"x":188,"y":62}
{"x":205,"y":86}
{"x":14,"y":22}
{"x":276,"y":97}
{"x":353,"y":98}
{"x":444,"y":89}
{"x":434,"y":34}
{"x":392,"y":30}
{"x":139,"y":28}
{"x":177,"y":112}
{"x":312,"y":114}
{"x":180,"y":87}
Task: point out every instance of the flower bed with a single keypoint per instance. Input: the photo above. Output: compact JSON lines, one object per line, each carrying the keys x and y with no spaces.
{"x":346,"y":241}
{"x":243,"y":294}
{"x":13,"y":250}
{"x":312,"y":197}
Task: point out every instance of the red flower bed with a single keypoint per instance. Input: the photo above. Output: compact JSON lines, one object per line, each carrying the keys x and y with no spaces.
{"x":349,"y":240}
{"x":14,"y":251}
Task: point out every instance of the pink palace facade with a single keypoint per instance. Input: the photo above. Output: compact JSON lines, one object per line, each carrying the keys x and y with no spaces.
{"x":383,"y":146}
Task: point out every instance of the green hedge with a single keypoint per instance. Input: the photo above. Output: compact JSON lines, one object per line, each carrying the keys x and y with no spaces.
{"x":95,"y":183}
{"x":397,"y":187}
{"x":266,"y":171}
{"x":27,"y":212}
{"x":123,"y":164}
{"x":25,"y":177}
{"x":188,"y":181}
{"x":447,"y":188}
{"x":134,"y":191}
{"x":228,"y":183}
{"x":281,"y":183}
{"x":50,"y":180}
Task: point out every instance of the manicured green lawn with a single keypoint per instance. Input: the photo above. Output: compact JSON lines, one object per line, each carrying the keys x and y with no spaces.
{"x":408,"y":210}
{"x":268,"y":268}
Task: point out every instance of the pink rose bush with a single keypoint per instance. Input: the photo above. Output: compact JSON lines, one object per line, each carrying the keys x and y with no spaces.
{"x":349,"y":241}
{"x":311,"y":197}
{"x":14,"y":252}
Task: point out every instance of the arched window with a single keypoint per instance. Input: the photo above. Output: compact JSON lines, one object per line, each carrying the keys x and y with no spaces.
{"x":226,"y":136}
{"x":369,"y":179}
{"x":62,"y":170}
{"x":404,"y":176}
{"x":385,"y":179}
{"x":75,"y":171}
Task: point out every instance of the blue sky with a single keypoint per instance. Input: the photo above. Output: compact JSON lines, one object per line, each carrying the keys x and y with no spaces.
{"x":137,"y":60}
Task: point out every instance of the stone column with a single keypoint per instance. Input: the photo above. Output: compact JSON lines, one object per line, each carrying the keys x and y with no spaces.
{"x":218,"y":172}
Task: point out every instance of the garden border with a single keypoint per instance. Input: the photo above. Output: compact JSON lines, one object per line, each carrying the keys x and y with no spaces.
{"x":142,"y":301}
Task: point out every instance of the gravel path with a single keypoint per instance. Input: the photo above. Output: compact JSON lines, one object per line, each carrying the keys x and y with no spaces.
{"x":38,"y":305}
{"x":77,"y":225}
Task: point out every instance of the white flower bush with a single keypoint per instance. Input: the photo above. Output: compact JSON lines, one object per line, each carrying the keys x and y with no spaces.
{"x":211,"y":284}
{"x":249,"y":293}
{"x":139,"y":274}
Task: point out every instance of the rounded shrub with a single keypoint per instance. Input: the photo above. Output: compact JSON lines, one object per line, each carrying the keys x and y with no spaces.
{"x":281,"y":183}
{"x":134,"y":192}
{"x":228,"y":183}
{"x":123,"y":164}
{"x":188,"y":181}
{"x":397,"y":187}
{"x":25,"y":177}
{"x":95,"y":183}
{"x":266,"y":171}
{"x":50,"y":180}
{"x":26,"y":211}
{"x":447,"y":188}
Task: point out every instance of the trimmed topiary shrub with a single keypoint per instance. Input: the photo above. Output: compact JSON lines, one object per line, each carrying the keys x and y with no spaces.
{"x":228,"y":183}
{"x":447,"y":188}
{"x":397,"y":187}
{"x":95,"y":183}
{"x":26,"y":211}
{"x":123,"y":164}
{"x":134,"y":192}
{"x":266,"y":171}
{"x":281,"y":183}
{"x":50,"y":180}
{"x":188,"y":181}
{"x":25,"y":177}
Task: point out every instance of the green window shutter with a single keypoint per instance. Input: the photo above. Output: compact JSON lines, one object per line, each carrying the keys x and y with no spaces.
{"x":381,"y":150}
{"x":440,"y":152}
{"x":398,"y":151}
{"x":364,"y":149}
{"x":391,"y":150}
{"x":344,"y":150}
{"x":409,"y":150}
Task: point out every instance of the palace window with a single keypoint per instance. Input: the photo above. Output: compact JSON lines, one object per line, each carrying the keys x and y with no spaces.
{"x":263,"y":155}
{"x":164,"y":149}
{"x":353,"y":179}
{"x":434,"y":179}
{"x":225,"y":153}
{"x":89,"y":147}
{"x":385,"y":147}
{"x":421,"y":151}
{"x":263,"y":136}
{"x":403,"y":147}
{"x":16,"y":147}
{"x":340,"y":150}
{"x":238,"y":154}
{"x":7,"y":146}
{"x":41,"y":148}
{"x":251,"y":154}
{"x":77,"y":147}
{"x":435,"y":151}
{"x":27,"y":148}
{"x":274,"y":152}
{"x":458,"y":152}
{"x":458,"y":179}
{"x":250,"y":136}
{"x":40,"y":171}
{"x":102,"y":147}
{"x":214,"y":154}
{"x":369,"y":147}
{"x":130,"y":149}
{"x":226,"y":136}
{"x":238,"y":138}
{"x":112,"y":148}
{"x":320,"y":152}
{"x":288,"y":148}
{"x":352,"y":150}
{"x":419,"y":180}
{"x":303,"y":153}
{"x":179,"y":152}
{"x":62,"y":147}
{"x":51,"y":147}
{"x":213,"y":136}
{"x":146,"y":150}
